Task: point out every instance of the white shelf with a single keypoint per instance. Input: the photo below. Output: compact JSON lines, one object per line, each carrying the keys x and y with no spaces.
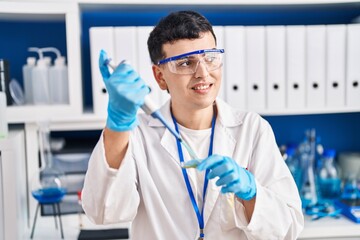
{"x":70,"y":14}
{"x":24,"y":114}
{"x":84,"y":122}
{"x":217,"y":2}
{"x":305,"y":111}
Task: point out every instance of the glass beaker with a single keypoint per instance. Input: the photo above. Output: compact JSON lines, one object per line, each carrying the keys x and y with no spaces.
{"x":47,"y":184}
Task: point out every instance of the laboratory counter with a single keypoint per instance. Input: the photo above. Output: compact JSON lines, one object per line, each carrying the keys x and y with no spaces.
{"x":325,"y":228}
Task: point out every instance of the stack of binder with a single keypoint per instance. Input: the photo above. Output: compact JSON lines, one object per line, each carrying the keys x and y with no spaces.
{"x":268,"y":69}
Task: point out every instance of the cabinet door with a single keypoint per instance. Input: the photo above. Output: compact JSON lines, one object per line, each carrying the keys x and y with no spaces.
{"x":1,"y":201}
{"x":13,"y":194}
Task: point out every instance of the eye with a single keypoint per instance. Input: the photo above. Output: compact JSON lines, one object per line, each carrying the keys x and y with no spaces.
{"x":210,"y":58}
{"x":185,"y":62}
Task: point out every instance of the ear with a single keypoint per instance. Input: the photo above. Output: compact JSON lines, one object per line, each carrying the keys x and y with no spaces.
{"x":159,"y":77}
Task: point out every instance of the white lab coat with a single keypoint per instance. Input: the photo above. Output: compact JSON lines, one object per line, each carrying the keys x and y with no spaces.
{"x":149,"y":189}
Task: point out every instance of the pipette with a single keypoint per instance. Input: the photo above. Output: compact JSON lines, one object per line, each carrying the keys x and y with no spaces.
{"x":150,"y":108}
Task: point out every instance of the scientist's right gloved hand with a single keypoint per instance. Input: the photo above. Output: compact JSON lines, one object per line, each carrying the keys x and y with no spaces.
{"x":126,"y":94}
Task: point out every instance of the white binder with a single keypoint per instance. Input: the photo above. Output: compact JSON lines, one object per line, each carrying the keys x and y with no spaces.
{"x":100,"y":38}
{"x":234,"y":62}
{"x":125,"y":45}
{"x":315,"y":65}
{"x":145,"y":66}
{"x":295,"y":68}
{"x":353,"y":66}
{"x":275,"y":67}
{"x":255,"y":67}
{"x":335,"y":62}
{"x":219,"y":33}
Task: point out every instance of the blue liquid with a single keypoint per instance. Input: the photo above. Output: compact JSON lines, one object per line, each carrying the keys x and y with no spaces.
{"x":350,"y":192}
{"x":49,"y":195}
{"x":329,"y":188}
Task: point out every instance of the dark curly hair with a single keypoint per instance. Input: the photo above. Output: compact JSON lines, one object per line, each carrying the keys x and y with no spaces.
{"x":177,"y":25}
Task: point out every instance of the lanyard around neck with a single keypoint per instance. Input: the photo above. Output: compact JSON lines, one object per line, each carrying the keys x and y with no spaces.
{"x":200,"y":216}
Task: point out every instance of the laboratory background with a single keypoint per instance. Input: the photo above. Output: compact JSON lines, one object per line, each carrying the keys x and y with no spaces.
{"x":296,"y":63}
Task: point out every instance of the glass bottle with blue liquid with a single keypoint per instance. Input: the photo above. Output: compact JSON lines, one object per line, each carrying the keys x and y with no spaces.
{"x":328,"y":177}
{"x":351,"y":190}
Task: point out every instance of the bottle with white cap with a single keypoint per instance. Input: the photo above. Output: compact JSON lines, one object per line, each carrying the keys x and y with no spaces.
{"x":40,"y":79}
{"x":28,"y":82}
{"x":58,"y":79}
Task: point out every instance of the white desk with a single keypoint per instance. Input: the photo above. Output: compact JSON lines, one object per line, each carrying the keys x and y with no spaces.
{"x":325,"y":228}
{"x":330,"y":228}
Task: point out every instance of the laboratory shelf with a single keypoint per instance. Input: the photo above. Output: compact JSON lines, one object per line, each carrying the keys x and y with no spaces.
{"x":71,"y":12}
{"x":307,"y":111}
{"x":216,"y":2}
{"x":29,"y":14}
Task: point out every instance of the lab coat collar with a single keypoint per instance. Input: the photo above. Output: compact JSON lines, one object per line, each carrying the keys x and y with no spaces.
{"x":224,"y":143}
{"x":229,"y":117}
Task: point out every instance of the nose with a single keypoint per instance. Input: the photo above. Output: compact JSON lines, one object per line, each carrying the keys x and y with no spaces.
{"x":201,"y":70}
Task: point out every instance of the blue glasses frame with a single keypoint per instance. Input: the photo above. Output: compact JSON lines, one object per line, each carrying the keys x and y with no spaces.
{"x":188,"y":54}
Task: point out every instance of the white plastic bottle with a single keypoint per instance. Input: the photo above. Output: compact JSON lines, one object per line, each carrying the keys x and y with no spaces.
{"x":27,"y":77}
{"x":40,"y":79}
{"x":58,"y":82}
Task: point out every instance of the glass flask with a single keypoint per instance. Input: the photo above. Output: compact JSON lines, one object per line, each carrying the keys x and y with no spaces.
{"x":328,"y":179}
{"x":306,"y":151}
{"x":293,"y":163}
{"x":48,"y":183}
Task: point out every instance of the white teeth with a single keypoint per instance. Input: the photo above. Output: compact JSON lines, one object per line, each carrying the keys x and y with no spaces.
{"x":202,"y":87}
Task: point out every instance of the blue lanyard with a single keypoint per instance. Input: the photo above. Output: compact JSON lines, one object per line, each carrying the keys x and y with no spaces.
{"x":200,"y":216}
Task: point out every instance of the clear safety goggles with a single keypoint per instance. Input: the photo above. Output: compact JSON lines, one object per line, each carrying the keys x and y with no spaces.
{"x":188,"y":63}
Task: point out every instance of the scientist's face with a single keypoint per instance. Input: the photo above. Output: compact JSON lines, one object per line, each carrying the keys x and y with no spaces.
{"x":196,"y":90}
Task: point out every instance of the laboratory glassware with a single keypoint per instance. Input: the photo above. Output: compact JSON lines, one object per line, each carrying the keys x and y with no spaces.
{"x":327,"y":177}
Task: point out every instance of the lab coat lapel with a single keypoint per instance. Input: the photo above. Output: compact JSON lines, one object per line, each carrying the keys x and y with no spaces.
{"x":224,"y":144}
{"x":168,"y":141}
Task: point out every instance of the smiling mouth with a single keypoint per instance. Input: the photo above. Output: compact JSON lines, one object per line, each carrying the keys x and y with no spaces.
{"x":202,"y":87}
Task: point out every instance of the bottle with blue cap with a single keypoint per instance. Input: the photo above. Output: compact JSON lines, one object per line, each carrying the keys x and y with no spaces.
{"x":328,"y":177}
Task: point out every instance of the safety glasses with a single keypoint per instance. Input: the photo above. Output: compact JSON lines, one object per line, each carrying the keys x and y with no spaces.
{"x":188,"y":63}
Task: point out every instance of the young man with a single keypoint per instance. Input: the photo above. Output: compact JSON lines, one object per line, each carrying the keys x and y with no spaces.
{"x":242,"y":188}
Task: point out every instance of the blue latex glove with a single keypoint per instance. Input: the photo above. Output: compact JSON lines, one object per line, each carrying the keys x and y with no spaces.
{"x":126,"y":94}
{"x":232,"y":177}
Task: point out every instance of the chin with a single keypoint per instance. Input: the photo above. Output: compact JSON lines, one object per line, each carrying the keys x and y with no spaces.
{"x":205,"y":103}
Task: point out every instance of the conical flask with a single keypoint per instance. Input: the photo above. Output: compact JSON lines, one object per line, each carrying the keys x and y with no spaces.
{"x":48,"y":184}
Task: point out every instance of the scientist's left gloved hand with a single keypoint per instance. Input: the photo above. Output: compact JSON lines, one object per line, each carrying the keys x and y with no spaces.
{"x":232,"y":177}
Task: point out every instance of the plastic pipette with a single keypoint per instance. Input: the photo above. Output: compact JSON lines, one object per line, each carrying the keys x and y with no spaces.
{"x":150,"y":108}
